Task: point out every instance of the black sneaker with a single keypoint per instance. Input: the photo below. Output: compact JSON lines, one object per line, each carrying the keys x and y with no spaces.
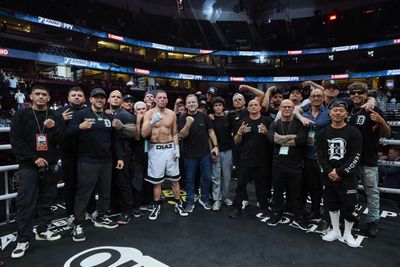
{"x":323,"y":226}
{"x":263,"y":213}
{"x":123,"y":219}
{"x":105,"y":222}
{"x":180,"y":209}
{"x":300,"y":223}
{"x":137,"y":213}
{"x":77,"y":234}
{"x":234,"y":213}
{"x":275,"y":220}
{"x":314,"y":215}
{"x":19,"y":251}
{"x":146,"y":208}
{"x":155,"y":212}
{"x":372,"y":229}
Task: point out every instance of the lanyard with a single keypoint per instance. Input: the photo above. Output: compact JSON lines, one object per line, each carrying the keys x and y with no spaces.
{"x":37,"y":121}
{"x":290,"y":124}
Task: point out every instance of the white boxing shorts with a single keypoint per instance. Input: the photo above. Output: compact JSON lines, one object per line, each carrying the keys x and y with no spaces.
{"x":162,"y":163}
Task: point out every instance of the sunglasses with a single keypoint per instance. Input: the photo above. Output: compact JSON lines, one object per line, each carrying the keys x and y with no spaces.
{"x":357,"y":92}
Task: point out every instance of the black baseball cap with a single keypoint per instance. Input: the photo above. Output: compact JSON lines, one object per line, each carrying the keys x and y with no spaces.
{"x":98,"y":91}
{"x":340,"y":103}
{"x":331,"y":84}
{"x":127,"y":97}
{"x":212,"y":90}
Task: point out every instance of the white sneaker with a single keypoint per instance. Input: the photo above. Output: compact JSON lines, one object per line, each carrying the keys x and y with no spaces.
{"x":349,"y":240}
{"x":70,"y":220}
{"x":91,"y":216}
{"x":48,"y":235}
{"x":331,"y":236}
{"x":245,"y":203}
{"x":228,"y":202}
{"x":217,"y":205}
{"x":19,"y":251}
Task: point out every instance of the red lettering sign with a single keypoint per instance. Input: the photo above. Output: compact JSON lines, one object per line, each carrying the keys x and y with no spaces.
{"x":206,"y":51}
{"x":236,"y":79}
{"x":3,"y":52}
{"x":141,"y":71}
{"x":115,"y":37}
{"x":339,"y":76}
{"x":295,"y":52}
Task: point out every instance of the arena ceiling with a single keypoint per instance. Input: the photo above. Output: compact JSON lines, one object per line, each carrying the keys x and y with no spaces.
{"x":227,"y":9}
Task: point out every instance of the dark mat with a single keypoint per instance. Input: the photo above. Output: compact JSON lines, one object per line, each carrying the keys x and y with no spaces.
{"x":206,"y":238}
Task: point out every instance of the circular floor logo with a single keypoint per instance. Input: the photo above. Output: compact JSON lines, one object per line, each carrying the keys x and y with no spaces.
{"x":112,"y":257}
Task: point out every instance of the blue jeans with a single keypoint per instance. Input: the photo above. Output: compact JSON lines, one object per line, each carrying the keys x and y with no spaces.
{"x":369,"y":178}
{"x":205,"y":177}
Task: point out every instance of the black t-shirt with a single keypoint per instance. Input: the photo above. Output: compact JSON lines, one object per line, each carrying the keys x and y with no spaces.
{"x":223,"y":132}
{"x":139,"y":147}
{"x":370,"y":131}
{"x":196,"y":144}
{"x":126,"y":118}
{"x":271,"y":113}
{"x":69,"y":147}
{"x":293,"y":159}
{"x":339,"y":149}
{"x":235,"y":117}
{"x":256,"y":148}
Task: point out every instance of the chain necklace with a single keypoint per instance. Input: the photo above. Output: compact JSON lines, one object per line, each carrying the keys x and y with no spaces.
{"x":99,"y":117}
{"x":355,"y":113}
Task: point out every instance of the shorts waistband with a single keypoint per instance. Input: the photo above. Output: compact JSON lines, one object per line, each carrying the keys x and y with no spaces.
{"x":161,"y":146}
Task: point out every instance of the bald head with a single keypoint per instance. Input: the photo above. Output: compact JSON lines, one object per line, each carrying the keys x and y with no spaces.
{"x":286,"y":109}
{"x":115,"y":99}
{"x":316,"y":97}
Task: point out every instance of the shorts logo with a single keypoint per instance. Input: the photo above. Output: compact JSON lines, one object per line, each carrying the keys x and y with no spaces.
{"x":337,"y":148}
{"x":164,"y":146}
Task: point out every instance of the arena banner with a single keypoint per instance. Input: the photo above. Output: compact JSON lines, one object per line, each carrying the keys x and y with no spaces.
{"x":70,"y":27}
{"x":83,"y":63}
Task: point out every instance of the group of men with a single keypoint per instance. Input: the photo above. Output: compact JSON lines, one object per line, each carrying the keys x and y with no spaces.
{"x":293,"y":146}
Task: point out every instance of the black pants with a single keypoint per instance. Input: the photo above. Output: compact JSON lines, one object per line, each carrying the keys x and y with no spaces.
{"x":293,"y":180}
{"x":122,"y":181}
{"x":35,"y":191}
{"x":142,"y":190}
{"x":236,"y":163}
{"x":313,"y":185}
{"x":345,"y":200}
{"x":70,"y":177}
{"x":263,"y":185}
{"x":91,"y":175}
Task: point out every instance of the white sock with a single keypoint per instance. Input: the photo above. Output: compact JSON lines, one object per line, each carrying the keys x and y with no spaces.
{"x":335,"y":216}
{"x":347,"y":227}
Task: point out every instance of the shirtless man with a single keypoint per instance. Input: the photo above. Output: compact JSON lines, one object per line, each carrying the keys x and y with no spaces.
{"x":159,"y":125}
